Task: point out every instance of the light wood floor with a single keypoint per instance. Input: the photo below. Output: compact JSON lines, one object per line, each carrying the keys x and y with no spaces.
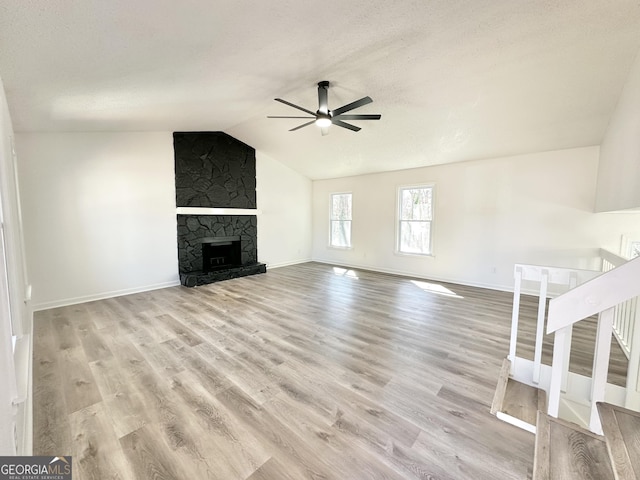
{"x":306,"y":372}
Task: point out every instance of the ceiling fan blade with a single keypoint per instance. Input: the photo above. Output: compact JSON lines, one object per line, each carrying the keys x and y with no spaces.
{"x":352,"y":105}
{"x":295,"y":106}
{"x":277,"y":116}
{"x":324,"y":130}
{"x":363,"y":116}
{"x":345,"y":125}
{"x":303,"y":125}
{"x":323,"y":94}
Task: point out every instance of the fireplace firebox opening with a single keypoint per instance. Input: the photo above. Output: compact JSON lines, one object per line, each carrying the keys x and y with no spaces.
{"x":219,"y":253}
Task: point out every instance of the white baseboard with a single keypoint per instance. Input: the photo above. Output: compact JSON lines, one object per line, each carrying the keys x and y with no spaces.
{"x":118,"y":293}
{"x":457,"y":281}
{"x":390,"y":271}
{"x":286,"y":264}
{"x":101,"y":296}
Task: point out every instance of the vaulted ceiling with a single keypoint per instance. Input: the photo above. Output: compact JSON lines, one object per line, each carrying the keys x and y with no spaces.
{"x":453,"y":79}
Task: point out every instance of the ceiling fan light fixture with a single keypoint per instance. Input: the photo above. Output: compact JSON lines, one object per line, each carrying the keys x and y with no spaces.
{"x":324,"y":117}
{"x":323,"y":120}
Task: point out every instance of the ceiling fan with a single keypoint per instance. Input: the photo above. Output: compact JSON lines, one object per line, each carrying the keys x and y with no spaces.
{"x":324,"y":117}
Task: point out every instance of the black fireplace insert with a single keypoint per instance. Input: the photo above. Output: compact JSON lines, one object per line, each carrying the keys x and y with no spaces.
{"x":219,"y":253}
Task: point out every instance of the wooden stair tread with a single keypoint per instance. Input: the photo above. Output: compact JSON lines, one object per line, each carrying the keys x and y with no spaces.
{"x":498,"y":397}
{"x":575,"y":453}
{"x":523,"y":401}
{"x":621,"y":428}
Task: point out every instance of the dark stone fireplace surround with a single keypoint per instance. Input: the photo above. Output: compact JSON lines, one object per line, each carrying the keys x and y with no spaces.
{"x":214,"y":170}
{"x":194,"y":230}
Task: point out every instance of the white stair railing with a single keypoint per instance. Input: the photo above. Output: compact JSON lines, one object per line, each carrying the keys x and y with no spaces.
{"x":626,"y":314}
{"x":548,"y":281}
{"x":601,"y":295}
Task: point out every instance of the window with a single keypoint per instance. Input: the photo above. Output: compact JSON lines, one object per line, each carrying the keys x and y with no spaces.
{"x":415,"y":213}
{"x":341,"y":220}
{"x":635,"y":249}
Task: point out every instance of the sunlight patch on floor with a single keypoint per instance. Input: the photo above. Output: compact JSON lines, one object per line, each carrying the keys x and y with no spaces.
{"x":435,"y":288}
{"x":345,"y":272}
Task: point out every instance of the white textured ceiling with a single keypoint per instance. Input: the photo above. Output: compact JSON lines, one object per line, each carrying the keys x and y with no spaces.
{"x":453,"y":79}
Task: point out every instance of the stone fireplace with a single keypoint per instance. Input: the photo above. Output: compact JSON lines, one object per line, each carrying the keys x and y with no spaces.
{"x":215,"y":178}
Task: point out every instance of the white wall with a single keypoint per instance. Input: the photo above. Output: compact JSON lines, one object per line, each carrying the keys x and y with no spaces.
{"x":619,"y":171}
{"x":100,"y":214}
{"x":284,"y":225}
{"x":489,"y":214}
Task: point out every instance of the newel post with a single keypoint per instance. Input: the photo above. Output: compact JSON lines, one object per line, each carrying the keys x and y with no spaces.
{"x":514,"y":316}
{"x":559,"y":366}
{"x":601,"y":366}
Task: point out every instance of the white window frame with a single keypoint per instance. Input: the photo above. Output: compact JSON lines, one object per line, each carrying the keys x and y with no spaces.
{"x":332,"y":219}
{"x":399,"y":219}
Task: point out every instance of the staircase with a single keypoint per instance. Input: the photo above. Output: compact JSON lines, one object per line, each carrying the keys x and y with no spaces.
{"x":585,"y":427}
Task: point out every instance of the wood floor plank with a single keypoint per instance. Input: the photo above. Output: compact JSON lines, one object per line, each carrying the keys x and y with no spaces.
{"x":290,"y":448}
{"x":327,"y":441}
{"x":50,"y":419}
{"x":96,"y":450}
{"x":207,"y":374}
{"x":179,"y":329}
{"x":629,"y":423}
{"x":542,"y":454}
{"x":231,"y":446}
{"x":273,"y":469}
{"x":521,"y":401}
{"x":161,"y":406}
{"x":252,"y":381}
{"x":121,"y":401}
{"x":160,"y":359}
{"x":150,"y":458}
{"x":566,"y":451}
{"x":622,"y":431}
{"x":93,"y":344}
{"x":467,"y":457}
{"x":501,"y":387}
{"x":306,"y":372}
{"x":80,"y":389}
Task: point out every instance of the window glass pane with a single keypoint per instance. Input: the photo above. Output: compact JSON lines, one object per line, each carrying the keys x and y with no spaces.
{"x":635,"y":249}
{"x":416,"y":203}
{"x":341,"y":220}
{"x":415,"y":237}
{"x":341,"y":233}
{"x":341,"y":206}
